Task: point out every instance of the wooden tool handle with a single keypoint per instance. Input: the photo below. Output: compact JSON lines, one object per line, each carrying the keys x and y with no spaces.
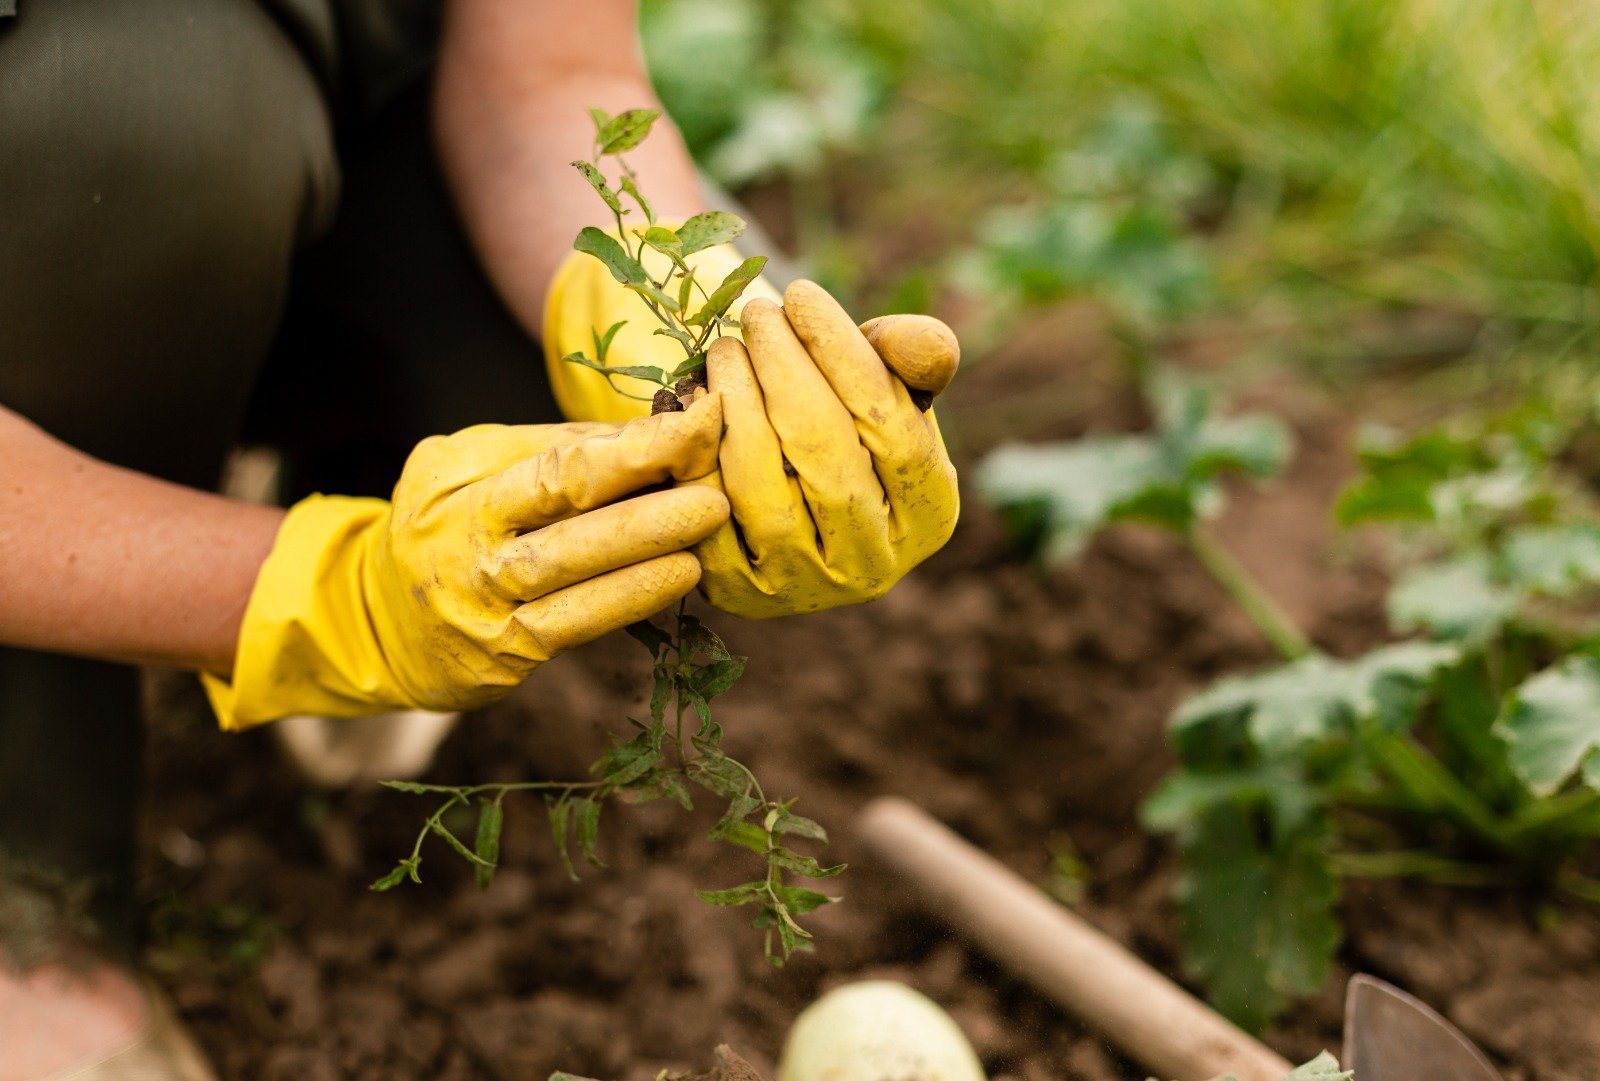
{"x":1152,"y":1019}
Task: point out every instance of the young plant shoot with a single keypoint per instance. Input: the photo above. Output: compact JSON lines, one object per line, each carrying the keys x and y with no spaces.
{"x":679,"y":749}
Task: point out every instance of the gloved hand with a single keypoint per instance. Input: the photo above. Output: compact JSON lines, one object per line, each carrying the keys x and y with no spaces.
{"x":502,"y":547}
{"x":838,"y":479}
{"x":866,"y":461}
{"x":585,"y":299}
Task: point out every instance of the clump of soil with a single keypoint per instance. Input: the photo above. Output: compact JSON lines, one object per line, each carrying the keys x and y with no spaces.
{"x":1024,"y":709}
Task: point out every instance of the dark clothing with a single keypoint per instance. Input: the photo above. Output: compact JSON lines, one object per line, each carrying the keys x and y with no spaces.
{"x":175,"y":274}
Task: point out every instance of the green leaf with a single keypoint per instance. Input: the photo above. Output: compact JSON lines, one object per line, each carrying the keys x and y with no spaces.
{"x":637,"y":371}
{"x":1457,"y":600}
{"x":443,"y":832}
{"x":1317,"y":697}
{"x":651,"y":292}
{"x":491,"y":819}
{"x":800,"y":827}
{"x":719,"y":774}
{"x":665,"y":241}
{"x":1183,"y":797}
{"x":602,"y":342}
{"x":560,"y":815}
{"x":627,"y":762}
{"x":688,"y":367}
{"x":606,"y":248}
{"x":650,"y":636}
{"x":1399,"y":475}
{"x":803,"y":865}
{"x":1322,"y":1068}
{"x":1551,"y":725}
{"x":717,"y":677}
{"x":744,"y":834}
{"x":586,"y":825}
{"x":1065,"y":493}
{"x":631,"y":190}
{"x":414,"y":788}
{"x":1258,"y":913}
{"x":406,"y":868}
{"x":708,"y":230}
{"x":1554,"y":560}
{"x":600,"y":117}
{"x":749,"y":893}
{"x":597,"y":181}
{"x":732,"y":287}
{"x":625,"y":131}
{"x":800,"y":900}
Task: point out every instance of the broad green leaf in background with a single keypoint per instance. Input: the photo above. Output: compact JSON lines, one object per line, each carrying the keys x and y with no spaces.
{"x":1322,"y":1068}
{"x":1554,"y":560}
{"x":1551,"y":723}
{"x":1258,"y":913}
{"x":1167,"y":477}
{"x":1458,"y":600}
{"x":606,"y":248}
{"x":1317,"y":696}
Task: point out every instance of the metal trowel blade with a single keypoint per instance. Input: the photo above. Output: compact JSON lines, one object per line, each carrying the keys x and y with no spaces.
{"x":1392,"y":1036}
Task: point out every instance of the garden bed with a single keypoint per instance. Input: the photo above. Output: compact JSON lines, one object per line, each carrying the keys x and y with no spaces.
{"x":1024,"y":709}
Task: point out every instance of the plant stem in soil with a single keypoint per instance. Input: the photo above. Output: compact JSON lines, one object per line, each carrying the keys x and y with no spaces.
{"x":1242,"y":586}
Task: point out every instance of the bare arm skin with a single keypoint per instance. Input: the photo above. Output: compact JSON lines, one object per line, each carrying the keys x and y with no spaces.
{"x":516,"y":80}
{"x":105,"y":562}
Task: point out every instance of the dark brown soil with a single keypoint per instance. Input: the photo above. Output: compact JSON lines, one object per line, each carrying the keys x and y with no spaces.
{"x":1024,"y":710}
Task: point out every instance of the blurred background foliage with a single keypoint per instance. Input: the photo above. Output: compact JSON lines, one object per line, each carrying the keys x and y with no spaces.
{"x":1409,"y":179}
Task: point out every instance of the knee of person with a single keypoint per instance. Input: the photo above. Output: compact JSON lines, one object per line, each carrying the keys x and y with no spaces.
{"x":138,"y":133}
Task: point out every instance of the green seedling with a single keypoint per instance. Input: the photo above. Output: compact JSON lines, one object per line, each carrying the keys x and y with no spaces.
{"x":678,"y":751}
{"x":1467,"y":753}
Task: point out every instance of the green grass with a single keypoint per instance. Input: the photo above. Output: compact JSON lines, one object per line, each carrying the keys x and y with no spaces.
{"x":1360,"y":157}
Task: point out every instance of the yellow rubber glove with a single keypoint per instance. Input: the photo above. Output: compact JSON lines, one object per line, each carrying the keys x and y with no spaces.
{"x":838,"y":479}
{"x":502,"y":547}
{"x":584,"y":299}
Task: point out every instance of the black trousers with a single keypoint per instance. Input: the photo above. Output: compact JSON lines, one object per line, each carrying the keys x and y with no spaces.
{"x":179,"y":272}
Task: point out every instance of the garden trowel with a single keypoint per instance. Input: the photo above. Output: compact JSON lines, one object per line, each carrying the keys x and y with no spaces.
{"x":1392,"y":1036}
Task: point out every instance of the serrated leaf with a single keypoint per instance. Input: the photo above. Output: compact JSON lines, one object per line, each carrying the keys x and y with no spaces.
{"x":708,"y":230}
{"x":606,"y":248}
{"x":1258,"y":914}
{"x":491,"y":820}
{"x":560,"y":817}
{"x":586,"y":827}
{"x":803,"y":865}
{"x":627,"y":762}
{"x":749,"y":893}
{"x":720,"y":775}
{"x":791,"y":823}
{"x":625,"y":131}
{"x":718,"y":677}
{"x":597,"y":181}
{"x":1457,"y":600}
{"x":743,"y":834}
{"x":732,"y":287}
{"x":1551,"y":726}
{"x":1317,"y":697}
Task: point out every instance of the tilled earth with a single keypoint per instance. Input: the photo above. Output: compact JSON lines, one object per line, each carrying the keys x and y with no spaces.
{"x":1024,"y":709}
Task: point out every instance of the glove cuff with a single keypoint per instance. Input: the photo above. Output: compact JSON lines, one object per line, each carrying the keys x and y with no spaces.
{"x":584,"y":299}
{"x":307,"y":643}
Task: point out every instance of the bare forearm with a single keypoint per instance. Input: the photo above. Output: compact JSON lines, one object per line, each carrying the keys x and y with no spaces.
{"x":104,"y":562}
{"x":516,"y":78}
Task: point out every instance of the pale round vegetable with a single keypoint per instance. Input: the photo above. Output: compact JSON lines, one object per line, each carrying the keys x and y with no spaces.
{"x":877,"y":1030}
